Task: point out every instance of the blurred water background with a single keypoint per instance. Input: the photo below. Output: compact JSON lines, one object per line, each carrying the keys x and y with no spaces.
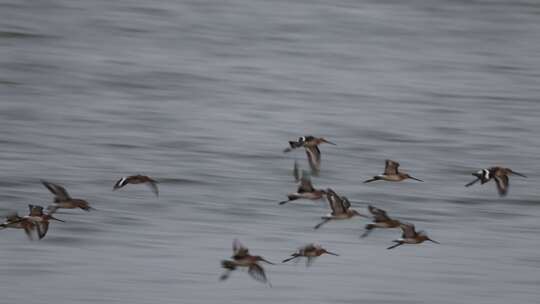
{"x":203,"y":95}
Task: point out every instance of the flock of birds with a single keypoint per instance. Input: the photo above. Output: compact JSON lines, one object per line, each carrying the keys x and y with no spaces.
{"x":341,"y":209}
{"x":36,"y":223}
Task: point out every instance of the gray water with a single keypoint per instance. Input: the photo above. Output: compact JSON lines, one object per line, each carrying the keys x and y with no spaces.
{"x":204,"y":95}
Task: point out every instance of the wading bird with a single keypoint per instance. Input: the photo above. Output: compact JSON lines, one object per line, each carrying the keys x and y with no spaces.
{"x":391,"y":173}
{"x":40,"y":219}
{"x":311,"y":144}
{"x":341,"y":208}
{"x":242,"y":258}
{"x":137,"y":179}
{"x":17,"y":222}
{"x":311,"y":252}
{"x":380,"y":220}
{"x":63,"y":200}
{"x":410,"y":236}
{"x":500,"y":175}
{"x":305,"y":188}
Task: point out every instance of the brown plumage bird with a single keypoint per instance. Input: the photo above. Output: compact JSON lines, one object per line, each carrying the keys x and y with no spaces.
{"x":137,"y":179}
{"x":500,"y":175}
{"x":341,"y":208}
{"x":380,"y":220}
{"x":17,"y":222}
{"x":40,"y":220}
{"x":311,"y":144}
{"x":311,"y":252}
{"x":392,"y":173}
{"x":63,"y":200}
{"x":242,"y":258}
{"x":305,"y":188}
{"x":410,"y":236}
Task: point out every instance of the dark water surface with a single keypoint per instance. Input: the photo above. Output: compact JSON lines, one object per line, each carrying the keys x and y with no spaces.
{"x":203,"y":95}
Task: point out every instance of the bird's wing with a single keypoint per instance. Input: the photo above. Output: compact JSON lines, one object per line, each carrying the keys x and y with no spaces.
{"x":309,"y":248}
{"x":42,"y":229}
{"x":408,"y":230}
{"x":257,"y":272}
{"x":238,"y":249}
{"x":296,"y":172}
{"x":391,"y":167}
{"x":345,"y":203}
{"x":153,"y":185}
{"x":59,"y":192}
{"x":35,"y":210}
{"x":305,"y":183}
{"x":335,"y":202}
{"x":502,"y":184}
{"x":379,"y":215}
{"x":314,"y":157}
{"x":28,"y":228}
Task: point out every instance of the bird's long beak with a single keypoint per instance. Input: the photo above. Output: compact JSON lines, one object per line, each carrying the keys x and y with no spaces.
{"x":53,"y":218}
{"x":328,"y":252}
{"x":417,"y":179}
{"x":266,"y":261}
{"x":434,"y":241}
{"x":329,"y":142}
{"x":519,"y":174}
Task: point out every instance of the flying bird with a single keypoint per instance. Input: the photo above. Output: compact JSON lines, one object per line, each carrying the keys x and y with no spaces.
{"x":137,"y":179}
{"x":63,"y":200}
{"x":305,"y":188}
{"x":341,"y":208}
{"x":242,"y":258}
{"x":17,"y":222}
{"x":392,"y":173}
{"x":500,"y":175}
{"x":311,"y":144}
{"x":410,"y":236}
{"x":380,"y":220}
{"x":39,"y":219}
{"x":311,"y":252}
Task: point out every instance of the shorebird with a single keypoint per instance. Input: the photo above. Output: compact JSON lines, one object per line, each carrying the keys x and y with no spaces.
{"x":305,"y":188}
{"x":40,"y":219}
{"x":311,"y":144}
{"x":341,"y":208}
{"x":391,"y":173}
{"x":500,"y":175}
{"x":63,"y":200}
{"x":242,"y":258}
{"x":410,"y":236}
{"x":17,"y":222}
{"x":137,"y":179}
{"x":380,"y":220}
{"x":310,"y":251}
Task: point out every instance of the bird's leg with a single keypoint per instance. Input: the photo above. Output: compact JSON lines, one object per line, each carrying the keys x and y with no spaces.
{"x":399,"y":243}
{"x":472,"y":183}
{"x":324,"y":221}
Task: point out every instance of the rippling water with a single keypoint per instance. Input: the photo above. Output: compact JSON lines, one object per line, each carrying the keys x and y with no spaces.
{"x":203,"y":96}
